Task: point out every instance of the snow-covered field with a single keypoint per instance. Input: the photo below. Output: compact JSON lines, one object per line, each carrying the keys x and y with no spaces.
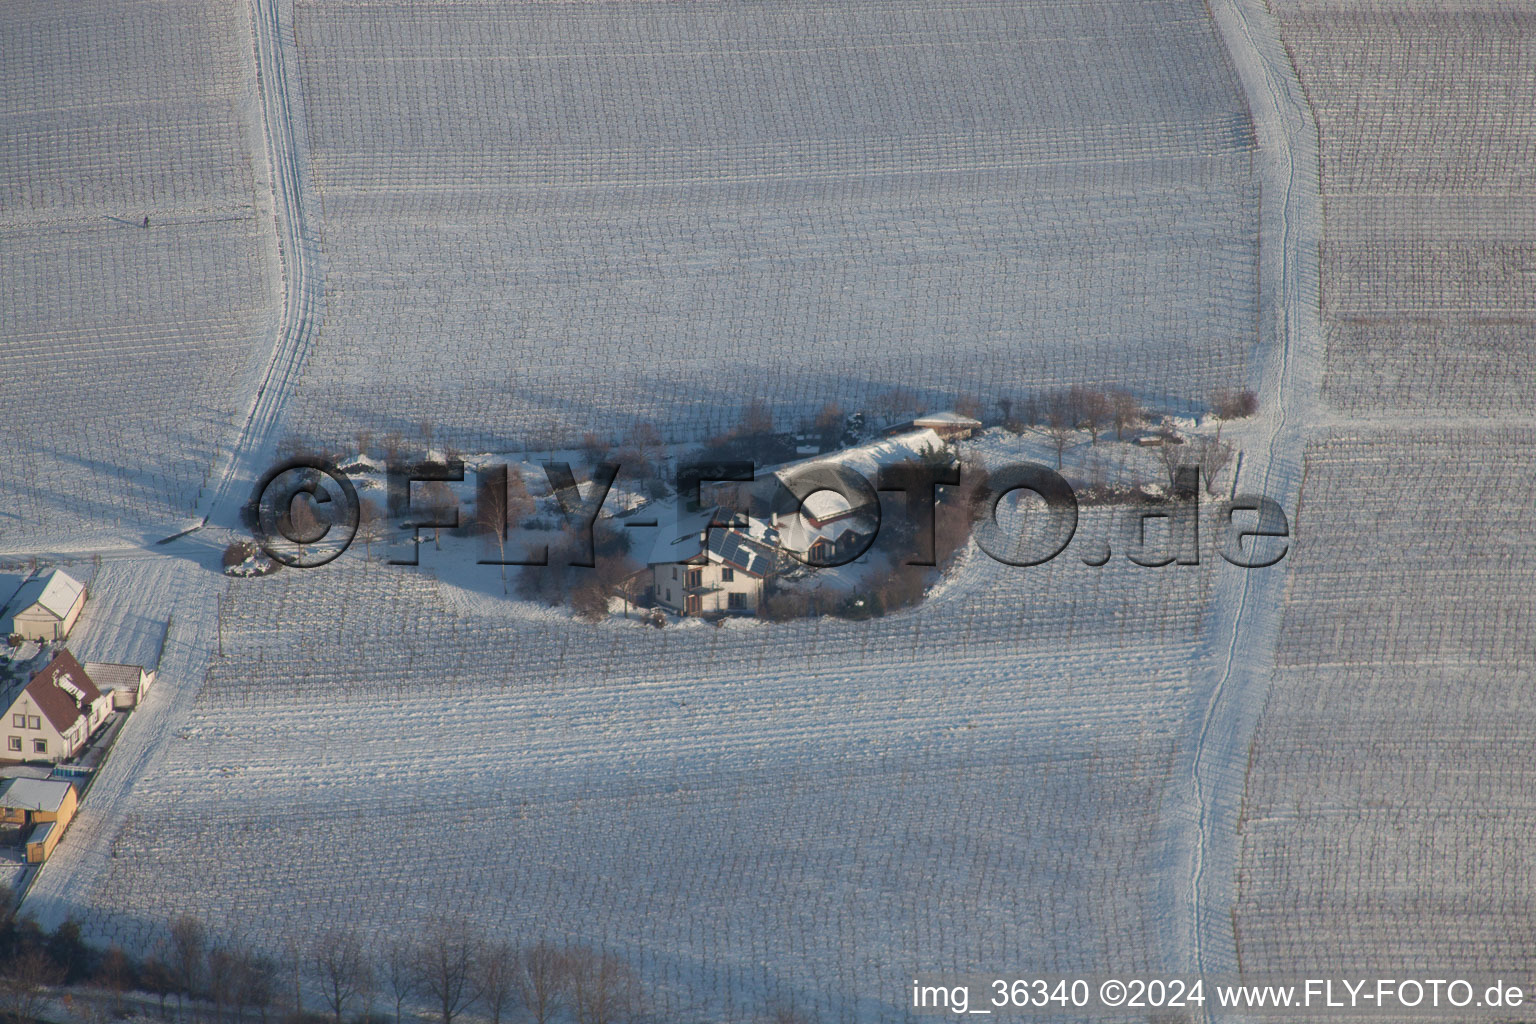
{"x":124,"y":351}
{"x":806,"y":812}
{"x":519,"y":222}
{"x":1388,"y":807}
{"x":545,"y":218}
{"x":1425,"y":116}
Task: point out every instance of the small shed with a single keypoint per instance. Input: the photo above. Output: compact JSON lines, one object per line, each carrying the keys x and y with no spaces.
{"x":46,"y":607}
{"x":42,"y":841}
{"x":948,"y":425}
{"x":125,"y":684}
{"x":35,"y":801}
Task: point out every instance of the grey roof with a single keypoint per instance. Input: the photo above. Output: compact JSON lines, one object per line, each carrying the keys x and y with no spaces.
{"x":34,"y":794}
{"x":111,"y":676}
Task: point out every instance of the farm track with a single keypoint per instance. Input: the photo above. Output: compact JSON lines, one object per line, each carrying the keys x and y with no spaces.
{"x":1243,"y":634}
{"x":303,"y":304}
{"x":1248,"y":609}
{"x":303,"y":295}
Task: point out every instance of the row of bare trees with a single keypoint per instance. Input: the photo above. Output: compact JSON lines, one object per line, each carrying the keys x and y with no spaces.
{"x":452,"y":969}
{"x":1060,"y":415}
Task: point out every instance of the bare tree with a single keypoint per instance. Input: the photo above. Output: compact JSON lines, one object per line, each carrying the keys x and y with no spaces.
{"x":1059,"y":428}
{"x":1234,"y":403}
{"x":300,"y":522}
{"x":1172,"y":456}
{"x":296,"y":962}
{"x":222,"y":980}
{"x":613,"y":571}
{"x":1095,"y":410}
{"x":632,"y":587}
{"x":543,"y":981}
{"x":116,"y":976}
{"x":756,"y":419}
{"x":400,"y":973}
{"x":337,"y":964}
{"x":829,"y":424}
{"x":367,"y":990}
{"x":895,"y":405}
{"x":24,"y":983}
{"x":642,"y":451}
{"x":439,"y":502}
{"x":501,"y":503}
{"x":1126,"y":412}
{"x":1212,"y":454}
{"x":372,"y":525}
{"x":156,"y":978}
{"x":445,"y":967}
{"x":186,"y":956}
{"x":594,"y":448}
{"x":497,"y":981}
{"x":257,"y":984}
{"x":604,"y":989}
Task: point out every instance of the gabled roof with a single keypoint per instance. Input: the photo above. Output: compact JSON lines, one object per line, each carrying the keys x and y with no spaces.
{"x":946,"y":419}
{"x":111,"y":676}
{"x":798,"y":535}
{"x":56,"y":593}
{"x":63,"y":691}
{"x":746,"y":548}
{"x":825,"y":506}
{"x":45,"y":795}
{"x":868,"y":458}
{"x":681,"y":540}
{"x":736,"y":549}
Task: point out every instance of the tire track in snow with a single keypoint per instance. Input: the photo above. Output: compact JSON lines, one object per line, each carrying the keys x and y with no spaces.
{"x":1249,"y":605}
{"x":303,"y":292}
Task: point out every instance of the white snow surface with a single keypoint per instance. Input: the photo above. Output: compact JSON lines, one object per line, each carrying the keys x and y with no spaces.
{"x":1038,"y":769}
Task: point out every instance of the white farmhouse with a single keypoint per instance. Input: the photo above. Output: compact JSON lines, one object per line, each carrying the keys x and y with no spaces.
{"x":46,"y":607}
{"x":696,"y":570}
{"x":699,"y":570}
{"x":52,"y":717}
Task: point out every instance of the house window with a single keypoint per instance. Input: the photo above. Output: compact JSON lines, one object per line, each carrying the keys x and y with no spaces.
{"x":40,"y":746}
{"x":674,"y":572}
{"x":669,"y":593}
{"x":695,"y":577}
{"x":736,"y":602}
{"x":727,"y":574}
{"x":19,"y":721}
{"x":33,"y":722}
{"x":15,"y":743}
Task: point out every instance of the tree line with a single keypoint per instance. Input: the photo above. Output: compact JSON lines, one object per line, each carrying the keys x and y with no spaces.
{"x":448,"y":971}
